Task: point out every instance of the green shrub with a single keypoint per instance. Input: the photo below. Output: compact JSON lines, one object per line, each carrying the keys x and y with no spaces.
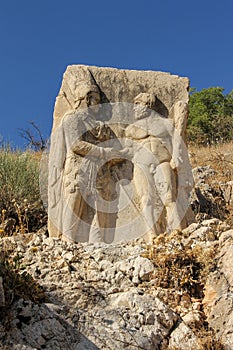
{"x":210,"y":116}
{"x":19,"y":189}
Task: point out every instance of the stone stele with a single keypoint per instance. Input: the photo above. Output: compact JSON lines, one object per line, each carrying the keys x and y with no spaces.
{"x":118,"y":163}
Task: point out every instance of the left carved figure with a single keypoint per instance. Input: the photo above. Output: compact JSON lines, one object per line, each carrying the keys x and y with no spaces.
{"x":79,"y":168}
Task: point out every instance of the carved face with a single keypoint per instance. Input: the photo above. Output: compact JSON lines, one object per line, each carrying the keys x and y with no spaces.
{"x":93,"y":101}
{"x":141,"y":109}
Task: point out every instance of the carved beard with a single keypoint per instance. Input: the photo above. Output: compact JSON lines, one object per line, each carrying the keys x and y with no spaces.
{"x":141,"y":112}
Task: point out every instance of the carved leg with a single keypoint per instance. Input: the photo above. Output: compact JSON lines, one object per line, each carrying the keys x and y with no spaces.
{"x":74,"y":227}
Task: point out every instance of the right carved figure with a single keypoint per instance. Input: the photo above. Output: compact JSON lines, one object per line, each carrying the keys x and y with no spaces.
{"x":157,"y":151}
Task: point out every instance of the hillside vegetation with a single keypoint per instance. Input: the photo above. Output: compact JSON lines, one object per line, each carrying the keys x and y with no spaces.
{"x":19,"y":192}
{"x":210,"y":116}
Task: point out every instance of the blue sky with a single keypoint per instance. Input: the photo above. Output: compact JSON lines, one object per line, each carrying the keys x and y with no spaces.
{"x":38,"y":39}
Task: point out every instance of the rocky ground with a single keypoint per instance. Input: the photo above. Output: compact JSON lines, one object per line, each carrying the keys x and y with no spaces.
{"x":174,"y":294}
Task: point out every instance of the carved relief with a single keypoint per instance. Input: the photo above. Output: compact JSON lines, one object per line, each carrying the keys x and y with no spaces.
{"x":116,"y":170}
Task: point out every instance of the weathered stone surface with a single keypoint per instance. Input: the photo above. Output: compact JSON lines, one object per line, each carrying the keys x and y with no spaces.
{"x":183,"y":338}
{"x":227,"y":190}
{"x":208,"y":198}
{"x":38,"y":327}
{"x":105,"y":296}
{"x":118,"y":164}
{"x":218,"y":301}
{"x":94,"y":293}
{"x":118,"y":85}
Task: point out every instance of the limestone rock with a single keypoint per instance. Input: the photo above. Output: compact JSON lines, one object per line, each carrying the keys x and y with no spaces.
{"x":183,"y":338}
{"x":227,"y":190}
{"x":120,"y":85}
{"x":37,"y":327}
{"x":92,"y":298}
{"x":218,"y":302}
{"x":105,"y":295}
{"x":208,"y":200}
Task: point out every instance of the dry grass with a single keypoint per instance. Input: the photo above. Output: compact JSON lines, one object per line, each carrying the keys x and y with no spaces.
{"x":219,"y":157}
{"x":180,"y":273}
{"x":180,"y":269}
{"x":19,"y":192}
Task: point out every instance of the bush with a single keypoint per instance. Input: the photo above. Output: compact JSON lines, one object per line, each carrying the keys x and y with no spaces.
{"x":210,"y":116}
{"x":19,"y":190}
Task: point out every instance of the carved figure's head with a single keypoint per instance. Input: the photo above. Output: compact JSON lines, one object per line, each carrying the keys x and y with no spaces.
{"x":88,"y":95}
{"x":85,"y":90}
{"x":144,"y":103}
